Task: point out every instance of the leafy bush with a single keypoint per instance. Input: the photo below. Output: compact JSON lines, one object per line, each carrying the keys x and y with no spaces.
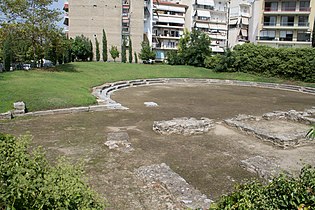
{"x":211,"y":62}
{"x":28,"y":181}
{"x":193,"y":49}
{"x":283,"y":192}
{"x":290,"y":63}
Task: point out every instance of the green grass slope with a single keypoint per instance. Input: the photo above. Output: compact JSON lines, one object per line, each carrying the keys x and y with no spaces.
{"x":70,"y":84}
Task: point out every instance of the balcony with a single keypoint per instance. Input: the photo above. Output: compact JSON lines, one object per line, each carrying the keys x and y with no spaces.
{"x":66,"y":7}
{"x":287,"y":12}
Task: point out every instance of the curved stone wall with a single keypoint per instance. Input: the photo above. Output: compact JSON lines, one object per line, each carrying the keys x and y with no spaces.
{"x":103,"y":92}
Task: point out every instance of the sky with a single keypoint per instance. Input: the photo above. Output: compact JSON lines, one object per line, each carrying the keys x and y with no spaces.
{"x":59,"y":5}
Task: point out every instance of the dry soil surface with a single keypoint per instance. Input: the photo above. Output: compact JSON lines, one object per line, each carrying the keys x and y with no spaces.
{"x":209,"y":162}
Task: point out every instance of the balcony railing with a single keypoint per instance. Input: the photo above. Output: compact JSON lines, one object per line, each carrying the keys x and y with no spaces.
{"x":303,"y":24}
{"x":287,"y":24}
{"x":271,"y":9}
{"x":266,"y":38}
{"x":269,"y":23}
{"x":305,"y":9}
{"x":288,"y":9}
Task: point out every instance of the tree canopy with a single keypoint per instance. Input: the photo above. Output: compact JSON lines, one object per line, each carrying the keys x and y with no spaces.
{"x":32,"y":21}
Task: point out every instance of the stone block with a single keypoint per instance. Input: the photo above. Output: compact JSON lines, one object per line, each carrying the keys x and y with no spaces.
{"x":6,"y":115}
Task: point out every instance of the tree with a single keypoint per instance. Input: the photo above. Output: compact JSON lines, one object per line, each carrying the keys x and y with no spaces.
{"x":7,"y":53}
{"x":105,"y":57}
{"x":123,"y":51}
{"x":81,"y":48}
{"x":97,"y":50}
{"x":146,"y":52}
{"x":130,"y":50}
{"x":193,"y":49}
{"x":136,"y":57}
{"x":36,"y":19}
{"x":114,"y":52}
{"x":91,"y":51}
{"x":313,"y":35}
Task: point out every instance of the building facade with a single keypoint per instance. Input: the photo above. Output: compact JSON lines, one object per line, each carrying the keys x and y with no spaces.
{"x":240,"y":13}
{"x":168,"y":26}
{"x":282,"y":23}
{"x":277,"y":23}
{"x":120,"y":19}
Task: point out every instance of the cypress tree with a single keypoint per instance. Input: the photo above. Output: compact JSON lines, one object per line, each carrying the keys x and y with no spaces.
{"x":313,"y":36}
{"x":97,"y":50}
{"x":7,"y":53}
{"x":136,"y":57}
{"x":123,"y":51}
{"x":91,"y":51}
{"x":130,"y":50}
{"x":105,"y":56}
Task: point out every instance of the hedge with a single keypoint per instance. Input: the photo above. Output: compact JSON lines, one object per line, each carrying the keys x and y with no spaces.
{"x":288,"y":63}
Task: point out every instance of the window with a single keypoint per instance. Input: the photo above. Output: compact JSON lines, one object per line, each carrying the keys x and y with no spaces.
{"x":288,"y":6}
{"x":267,"y":35}
{"x":304,"y":5}
{"x":271,"y":6}
{"x":270,"y":20}
{"x":287,"y":20}
{"x":165,"y":33}
{"x":303,"y":36}
{"x":303,"y":20}
{"x":286,"y":35}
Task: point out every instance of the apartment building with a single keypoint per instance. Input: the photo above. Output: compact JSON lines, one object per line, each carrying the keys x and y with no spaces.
{"x":120,"y":19}
{"x":211,"y":16}
{"x":282,"y":23}
{"x":168,"y":26}
{"x":239,"y":22}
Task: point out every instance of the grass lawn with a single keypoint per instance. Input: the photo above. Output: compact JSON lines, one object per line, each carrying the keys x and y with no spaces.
{"x":70,"y":85}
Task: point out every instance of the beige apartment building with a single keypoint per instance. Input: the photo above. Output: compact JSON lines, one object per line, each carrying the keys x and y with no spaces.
{"x":282,"y":23}
{"x":119,"y":18}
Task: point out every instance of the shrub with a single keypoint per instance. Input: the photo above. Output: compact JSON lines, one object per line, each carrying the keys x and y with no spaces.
{"x":28,"y":181}
{"x":283,"y":192}
{"x":211,"y":62}
{"x":290,"y":63}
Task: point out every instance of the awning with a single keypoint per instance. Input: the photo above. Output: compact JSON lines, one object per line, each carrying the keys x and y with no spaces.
{"x":202,"y":13}
{"x":218,"y":26}
{"x":171,"y":20}
{"x":170,"y":8}
{"x":202,"y":25}
{"x":245,"y":21}
{"x":244,"y":32}
{"x":206,"y":2}
{"x":233,"y":22}
{"x":217,"y":49}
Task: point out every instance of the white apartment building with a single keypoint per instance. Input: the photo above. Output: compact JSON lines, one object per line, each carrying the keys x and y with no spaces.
{"x":282,"y":23}
{"x":168,"y":26}
{"x":239,"y":22}
{"x":211,"y":16}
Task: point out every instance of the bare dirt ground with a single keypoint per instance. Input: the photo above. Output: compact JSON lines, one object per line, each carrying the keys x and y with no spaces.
{"x":209,"y":162}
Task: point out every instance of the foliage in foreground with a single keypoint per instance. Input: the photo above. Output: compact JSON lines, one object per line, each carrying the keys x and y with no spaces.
{"x":290,"y":63}
{"x":283,"y":192}
{"x":28,"y":181}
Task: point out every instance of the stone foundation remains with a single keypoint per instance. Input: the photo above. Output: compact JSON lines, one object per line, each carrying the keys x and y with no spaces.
{"x":119,"y":141}
{"x":283,"y":129}
{"x":183,"y":126}
{"x":181,"y":191}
